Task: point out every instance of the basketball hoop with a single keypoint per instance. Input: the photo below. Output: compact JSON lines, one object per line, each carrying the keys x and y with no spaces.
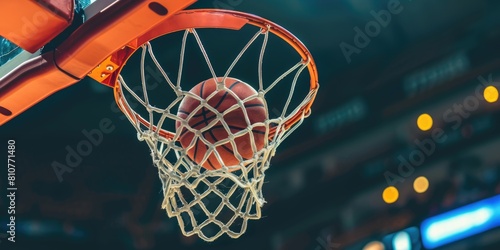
{"x":211,"y":203}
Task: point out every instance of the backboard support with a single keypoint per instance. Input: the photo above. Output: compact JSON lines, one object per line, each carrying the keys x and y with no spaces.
{"x":30,"y":25}
{"x":111,"y":26}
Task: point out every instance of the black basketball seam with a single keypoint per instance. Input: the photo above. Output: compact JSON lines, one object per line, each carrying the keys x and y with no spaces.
{"x":224,"y":146}
{"x":259,"y":132}
{"x":255,"y":131}
{"x":195,"y":149}
{"x":198,"y":115}
{"x":254,"y":105}
{"x":215,"y":139}
{"x":204,"y":113}
{"x":186,"y":113}
{"x":225,"y":94}
{"x":208,"y":159}
{"x":183,"y":132}
{"x":203,"y":110}
{"x":201,"y":89}
{"x":234,"y":127}
{"x":200,"y":122}
{"x":211,"y":165}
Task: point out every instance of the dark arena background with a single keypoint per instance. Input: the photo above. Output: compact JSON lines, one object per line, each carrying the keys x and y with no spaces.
{"x":401,"y":152}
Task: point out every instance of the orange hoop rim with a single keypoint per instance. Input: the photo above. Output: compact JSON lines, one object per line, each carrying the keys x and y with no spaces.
{"x":222,"y":19}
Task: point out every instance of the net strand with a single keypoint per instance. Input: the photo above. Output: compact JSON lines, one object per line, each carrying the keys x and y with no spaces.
{"x":9,"y":52}
{"x":162,"y":71}
{"x":237,"y":59}
{"x":204,"y":52}
{"x":144,"y":86}
{"x":181,"y":60}
{"x":216,"y":202}
{"x":282,"y":76}
{"x":261,"y":58}
{"x":292,"y":89}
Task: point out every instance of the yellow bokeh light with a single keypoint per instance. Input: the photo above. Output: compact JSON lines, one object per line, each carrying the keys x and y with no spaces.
{"x":491,"y":94}
{"x":374,"y":245}
{"x":421,"y":184}
{"x":424,"y":122}
{"x":390,"y":195}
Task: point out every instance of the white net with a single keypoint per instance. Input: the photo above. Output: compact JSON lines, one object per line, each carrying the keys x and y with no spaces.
{"x":211,"y":203}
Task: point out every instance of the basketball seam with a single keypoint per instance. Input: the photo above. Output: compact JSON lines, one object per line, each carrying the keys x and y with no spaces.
{"x":239,"y":128}
{"x":183,"y":132}
{"x":200,"y":122}
{"x":254,"y":105}
{"x":223,"y":146}
{"x":203,"y":110}
{"x":225,"y":94}
{"x":210,"y":163}
{"x":208,"y":159}
{"x":215,"y":139}
{"x":201,"y":89}
{"x":195,"y":149}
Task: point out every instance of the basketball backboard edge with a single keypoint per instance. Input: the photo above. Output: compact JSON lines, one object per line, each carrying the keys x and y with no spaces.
{"x":29,"y":72}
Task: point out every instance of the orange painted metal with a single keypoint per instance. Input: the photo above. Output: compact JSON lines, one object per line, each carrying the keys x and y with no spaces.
{"x":39,"y":79}
{"x":104,"y":34}
{"x":103,"y":70}
{"x":31,"y":24}
{"x":178,"y":22}
{"x":95,"y":41}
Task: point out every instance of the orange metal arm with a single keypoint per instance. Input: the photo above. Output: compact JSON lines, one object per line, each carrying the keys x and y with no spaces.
{"x":86,"y":48}
{"x":98,"y":38}
{"x":38,"y":79}
{"x":32,"y":24}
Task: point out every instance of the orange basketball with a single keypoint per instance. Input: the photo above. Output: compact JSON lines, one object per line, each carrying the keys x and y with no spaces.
{"x":221,"y":101}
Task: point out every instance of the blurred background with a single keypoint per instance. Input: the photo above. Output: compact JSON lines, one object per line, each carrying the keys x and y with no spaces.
{"x":401,"y":151}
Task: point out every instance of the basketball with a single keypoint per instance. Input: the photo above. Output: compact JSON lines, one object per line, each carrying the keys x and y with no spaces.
{"x":233,"y":116}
